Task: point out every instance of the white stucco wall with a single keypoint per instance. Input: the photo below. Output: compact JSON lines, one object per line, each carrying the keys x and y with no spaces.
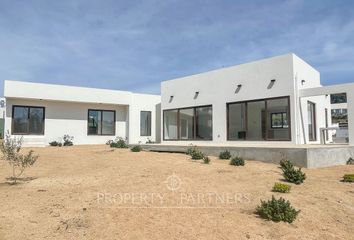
{"x":68,"y":118}
{"x":144,"y":102}
{"x":218,"y":88}
{"x":66,"y":111}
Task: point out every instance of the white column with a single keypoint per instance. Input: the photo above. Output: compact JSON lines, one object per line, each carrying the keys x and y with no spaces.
{"x":350,"y":100}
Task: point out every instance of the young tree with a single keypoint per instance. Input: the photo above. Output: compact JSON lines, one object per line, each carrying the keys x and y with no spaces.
{"x":10,"y":149}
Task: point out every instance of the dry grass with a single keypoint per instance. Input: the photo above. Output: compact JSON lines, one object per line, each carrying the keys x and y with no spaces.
{"x":59,"y":198}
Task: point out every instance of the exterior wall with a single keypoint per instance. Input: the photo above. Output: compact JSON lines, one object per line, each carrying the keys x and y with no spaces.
{"x":322,"y":102}
{"x":66,"y":111}
{"x":68,"y":118}
{"x":218,"y":87}
{"x":143,"y":102}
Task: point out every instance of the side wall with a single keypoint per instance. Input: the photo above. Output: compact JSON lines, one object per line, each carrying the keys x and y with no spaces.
{"x":144,"y":102}
{"x":307,"y":77}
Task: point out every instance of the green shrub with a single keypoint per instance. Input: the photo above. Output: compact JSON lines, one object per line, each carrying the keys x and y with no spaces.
{"x":191,"y":150}
{"x":350,"y":161}
{"x":281,"y":187}
{"x":291,"y":173}
{"x":286,"y":164}
{"x":225,"y":155}
{"x":237,"y":161}
{"x":277,"y":210}
{"x":118,"y":143}
{"x":68,"y":140}
{"x":136,"y":148}
{"x":17,"y":159}
{"x":55,"y":144}
{"x":206,"y":160}
{"x":197,"y":154}
{"x":294,"y":175}
{"x":348,"y":178}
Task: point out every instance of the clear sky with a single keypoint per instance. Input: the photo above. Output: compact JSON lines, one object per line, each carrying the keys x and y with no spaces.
{"x":134,"y":45}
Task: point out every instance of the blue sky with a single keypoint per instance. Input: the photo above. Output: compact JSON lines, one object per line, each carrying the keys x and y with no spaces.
{"x":133,"y":45}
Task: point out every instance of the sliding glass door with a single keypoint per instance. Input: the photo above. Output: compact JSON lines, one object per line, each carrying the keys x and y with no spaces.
{"x":259,"y":120}
{"x":194,"y":123}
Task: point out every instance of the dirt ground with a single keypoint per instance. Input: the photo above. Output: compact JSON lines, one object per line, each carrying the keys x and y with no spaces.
{"x":94,"y":192}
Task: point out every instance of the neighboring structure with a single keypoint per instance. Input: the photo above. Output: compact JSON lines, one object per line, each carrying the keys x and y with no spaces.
{"x":256,"y":102}
{"x":43,"y":112}
{"x":274,"y":101}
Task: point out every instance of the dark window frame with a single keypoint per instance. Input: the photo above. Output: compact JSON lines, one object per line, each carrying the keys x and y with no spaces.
{"x":150,"y":125}
{"x":101,"y":112}
{"x":246,"y":119}
{"x":282,"y":120}
{"x":179,"y":125}
{"x":28,"y":132}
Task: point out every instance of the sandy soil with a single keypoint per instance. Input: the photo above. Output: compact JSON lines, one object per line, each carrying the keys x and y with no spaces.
{"x":94,"y":192}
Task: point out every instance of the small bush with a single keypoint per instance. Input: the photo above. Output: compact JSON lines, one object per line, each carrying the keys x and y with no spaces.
{"x":286,"y":164}
{"x":55,"y":144}
{"x":206,"y":160}
{"x":348,"y":178}
{"x":191,"y":150}
{"x":11,"y":153}
{"x":109,"y":142}
{"x":291,"y":173}
{"x":119,"y":143}
{"x":197,"y":155}
{"x":237,"y":161}
{"x":136,"y":148}
{"x":294,"y":175}
{"x":225,"y":155}
{"x":68,"y":140}
{"x":281,"y":187}
{"x":350,"y":161}
{"x":277,"y":210}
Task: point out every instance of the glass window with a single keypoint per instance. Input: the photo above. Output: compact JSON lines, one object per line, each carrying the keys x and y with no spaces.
{"x":28,"y":120}
{"x":108,"y":123}
{"x":193,"y":123}
{"x":266,"y":119}
{"x":278,"y":112}
{"x":204,"y":123}
{"x":311,"y":112}
{"x":170,"y":124}
{"x":237,"y":121}
{"x":145,"y":123}
{"x":256,"y":120}
{"x":186,"y":120}
{"x":101,"y":122}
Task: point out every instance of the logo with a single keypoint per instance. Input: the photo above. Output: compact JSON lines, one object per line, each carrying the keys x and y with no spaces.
{"x":173,"y":182}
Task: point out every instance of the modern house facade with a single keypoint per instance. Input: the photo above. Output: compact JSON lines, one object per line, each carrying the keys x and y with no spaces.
{"x":255,"y":102}
{"x":274,"y":101}
{"x":41,"y":113}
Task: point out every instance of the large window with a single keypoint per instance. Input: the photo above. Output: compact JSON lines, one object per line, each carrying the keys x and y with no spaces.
{"x":27,"y":120}
{"x":193,"y":123}
{"x":145,"y":123}
{"x":101,"y":122}
{"x":311,"y":112}
{"x":259,"y":120}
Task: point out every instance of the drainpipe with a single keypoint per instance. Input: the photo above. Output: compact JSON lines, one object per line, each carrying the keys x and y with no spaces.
{"x":299,"y":113}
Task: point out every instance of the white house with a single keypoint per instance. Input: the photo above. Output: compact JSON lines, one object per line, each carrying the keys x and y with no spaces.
{"x":42,"y":113}
{"x":255,"y":102}
{"x":278,"y":100}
